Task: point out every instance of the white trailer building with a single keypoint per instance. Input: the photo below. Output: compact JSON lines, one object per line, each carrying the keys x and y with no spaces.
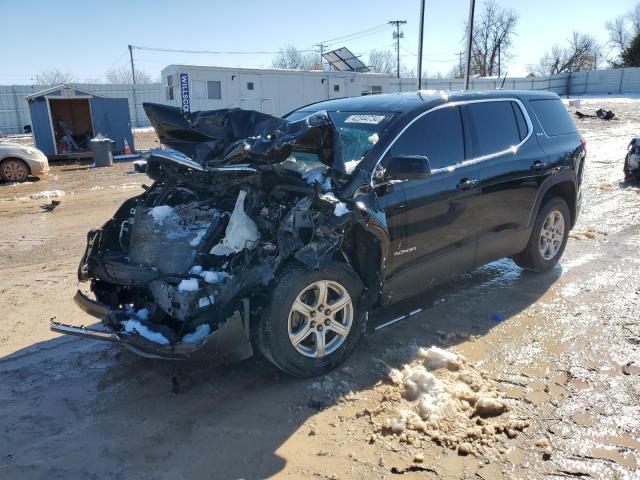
{"x":273,"y":91}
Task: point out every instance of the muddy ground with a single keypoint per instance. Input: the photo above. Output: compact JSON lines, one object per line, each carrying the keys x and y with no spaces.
{"x":563,"y":349}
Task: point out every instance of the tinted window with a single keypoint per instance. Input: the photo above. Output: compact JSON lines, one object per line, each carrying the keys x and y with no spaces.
{"x":496,"y":128}
{"x":553,"y":116}
{"x":522,"y":123}
{"x":437,"y":135}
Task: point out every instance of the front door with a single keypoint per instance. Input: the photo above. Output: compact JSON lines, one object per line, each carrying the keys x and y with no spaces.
{"x":437,"y":241}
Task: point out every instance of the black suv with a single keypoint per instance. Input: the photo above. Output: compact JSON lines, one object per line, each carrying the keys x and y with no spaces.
{"x":281,"y":234}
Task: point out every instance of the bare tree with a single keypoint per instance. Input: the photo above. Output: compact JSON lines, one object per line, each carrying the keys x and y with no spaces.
{"x":55,"y":77}
{"x":619,"y":37}
{"x":291,"y":58}
{"x":580,"y":55}
{"x":123,"y":75}
{"x":622,"y":31}
{"x":493,"y":33}
{"x":382,"y":61}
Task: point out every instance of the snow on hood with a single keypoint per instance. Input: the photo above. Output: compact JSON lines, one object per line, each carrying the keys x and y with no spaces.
{"x":231,"y":136}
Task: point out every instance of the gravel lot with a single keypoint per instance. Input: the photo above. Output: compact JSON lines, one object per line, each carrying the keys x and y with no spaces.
{"x":562,"y":349}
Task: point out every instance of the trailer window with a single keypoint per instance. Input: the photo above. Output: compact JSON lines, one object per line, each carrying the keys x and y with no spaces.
{"x":214,"y":89}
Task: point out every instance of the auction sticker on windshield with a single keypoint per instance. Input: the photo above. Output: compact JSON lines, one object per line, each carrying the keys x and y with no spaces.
{"x":371,"y":119}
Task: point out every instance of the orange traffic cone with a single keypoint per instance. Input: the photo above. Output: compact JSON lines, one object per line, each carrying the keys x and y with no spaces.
{"x":127,"y":150}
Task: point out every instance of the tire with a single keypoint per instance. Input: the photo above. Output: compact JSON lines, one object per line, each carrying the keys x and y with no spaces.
{"x":14,"y":170}
{"x":282,"y":324}
{"x":532,"y":257}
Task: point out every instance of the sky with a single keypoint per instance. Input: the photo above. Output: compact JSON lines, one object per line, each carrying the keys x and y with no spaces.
{"x":89,"y":37}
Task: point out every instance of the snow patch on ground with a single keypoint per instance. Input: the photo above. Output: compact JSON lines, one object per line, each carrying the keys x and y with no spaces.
{"x":47,"y":194}
{"x":443,"y":398}
{"x":198,"y":238}
{"x":161,"y":213}
{"x":131,"y":326}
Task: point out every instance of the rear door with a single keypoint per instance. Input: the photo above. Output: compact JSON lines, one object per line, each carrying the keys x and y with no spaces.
{"x":503,"y":166}
{"x":437,"y":239}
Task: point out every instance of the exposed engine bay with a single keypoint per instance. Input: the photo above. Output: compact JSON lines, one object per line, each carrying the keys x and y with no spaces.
{"x":237,"y":195}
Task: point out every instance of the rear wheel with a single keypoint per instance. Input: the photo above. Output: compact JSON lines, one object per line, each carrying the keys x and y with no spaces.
{"x":14,"y":170}
{"x":313,"y":323}
{"x":549,"y":237}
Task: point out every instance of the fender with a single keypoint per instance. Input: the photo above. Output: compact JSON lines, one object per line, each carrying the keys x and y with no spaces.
{"x":567,"y":174}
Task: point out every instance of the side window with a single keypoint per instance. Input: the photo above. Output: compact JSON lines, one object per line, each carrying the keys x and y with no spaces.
{"x":496,"y":127}
{"x":553,"y":116}
{"x":214,"y":89}
{"x":437,"y":135}
{"x":522,"y":123}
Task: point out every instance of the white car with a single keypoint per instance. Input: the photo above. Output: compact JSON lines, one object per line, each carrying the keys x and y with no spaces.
{"x":18,"y":162}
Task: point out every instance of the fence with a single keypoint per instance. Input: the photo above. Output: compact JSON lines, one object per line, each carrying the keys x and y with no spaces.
{"x":14,"y":111}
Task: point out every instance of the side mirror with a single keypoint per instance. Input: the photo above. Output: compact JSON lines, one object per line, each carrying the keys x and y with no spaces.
{"x":407,"y":167}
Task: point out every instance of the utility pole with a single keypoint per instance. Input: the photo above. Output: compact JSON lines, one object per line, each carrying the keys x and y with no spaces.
{"x":397,"y":35}
{"x":420,"y":44}
{"x":460,"y":74}
{"x":472,"y":7}
{"x":498,"y":59}
{"x":321,"y":46}
{"x":133,"y":71}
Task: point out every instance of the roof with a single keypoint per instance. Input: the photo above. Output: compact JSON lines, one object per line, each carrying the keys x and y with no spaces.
{"x":60,"y":87}
{"x":185,"y":68}
{"x":403,"y":102}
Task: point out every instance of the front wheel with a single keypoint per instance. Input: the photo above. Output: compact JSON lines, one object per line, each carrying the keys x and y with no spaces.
{"x":549,"y":237}
{"x":313,"y":322}
{"x":14,"y":170}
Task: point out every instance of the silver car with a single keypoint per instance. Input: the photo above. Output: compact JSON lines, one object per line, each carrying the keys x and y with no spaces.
{"x":17,"y":162}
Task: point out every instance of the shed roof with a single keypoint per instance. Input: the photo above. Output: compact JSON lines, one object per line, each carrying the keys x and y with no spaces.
{"x":49,"y":90}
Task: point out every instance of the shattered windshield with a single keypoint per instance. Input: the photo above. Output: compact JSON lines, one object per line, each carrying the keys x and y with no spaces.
{"x":359,"y":132}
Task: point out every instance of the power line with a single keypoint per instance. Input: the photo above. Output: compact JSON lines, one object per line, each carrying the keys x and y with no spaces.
{"x":360,"y":34}
{"x":213,"y":52}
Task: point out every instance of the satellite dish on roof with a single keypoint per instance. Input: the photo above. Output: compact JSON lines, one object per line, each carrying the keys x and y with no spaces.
{"x":344,"y":60}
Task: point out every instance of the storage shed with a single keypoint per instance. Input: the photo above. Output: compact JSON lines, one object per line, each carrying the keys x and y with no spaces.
{"x":65,"y":118}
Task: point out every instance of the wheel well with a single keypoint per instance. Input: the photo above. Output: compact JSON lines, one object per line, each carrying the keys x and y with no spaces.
{"x":566,"y":191}
{"x":19,"y":160}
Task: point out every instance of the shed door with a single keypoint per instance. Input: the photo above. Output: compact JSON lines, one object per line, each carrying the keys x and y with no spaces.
{"x":111,"y":119}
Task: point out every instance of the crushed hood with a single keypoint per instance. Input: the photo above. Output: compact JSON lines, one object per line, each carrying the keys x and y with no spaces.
{"x":230,"y":136}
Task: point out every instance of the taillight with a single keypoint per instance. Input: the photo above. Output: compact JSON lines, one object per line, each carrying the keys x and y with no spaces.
{"x":583,"y":142}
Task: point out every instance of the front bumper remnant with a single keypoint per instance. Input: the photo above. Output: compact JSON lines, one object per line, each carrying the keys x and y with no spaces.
{"x":231,"y":339}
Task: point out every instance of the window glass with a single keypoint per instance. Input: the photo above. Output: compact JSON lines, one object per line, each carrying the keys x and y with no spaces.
{"x":553,"y":116}
{"x":437,"y":135}
{"x":495,"y":125}
{"x":522,"y":123}
{"x":249,"y":85}
{"x":336,"y":88}
{"x":169,"y":93}
{"x":214,"y":89}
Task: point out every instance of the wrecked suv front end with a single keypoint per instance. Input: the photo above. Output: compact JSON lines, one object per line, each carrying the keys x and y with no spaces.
{"x":191,"y":260}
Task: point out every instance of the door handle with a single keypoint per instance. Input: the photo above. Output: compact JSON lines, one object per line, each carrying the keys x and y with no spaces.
{"x":538,"y":165}
{"x":467,"y":183}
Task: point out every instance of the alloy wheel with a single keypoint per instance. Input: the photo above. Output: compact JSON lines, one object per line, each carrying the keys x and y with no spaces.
{"x":551,"y":235}
{"x":320,"y":318}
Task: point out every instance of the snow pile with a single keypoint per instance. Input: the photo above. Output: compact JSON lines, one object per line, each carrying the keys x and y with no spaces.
{"x":340,"y":209}
{"x":161,"y":213}
{"x":47,"y":194}
{"x":210,"y":276}
{"x":134,"y":326}
{"x":351,"y":165}
{"x":443,"y":398}
{"x":188,"y":285}
{"x":241,"y":233}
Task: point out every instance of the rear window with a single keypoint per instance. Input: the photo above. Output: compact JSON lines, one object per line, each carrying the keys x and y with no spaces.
{"x":553,"y":116}
{"x":496,"y":127}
